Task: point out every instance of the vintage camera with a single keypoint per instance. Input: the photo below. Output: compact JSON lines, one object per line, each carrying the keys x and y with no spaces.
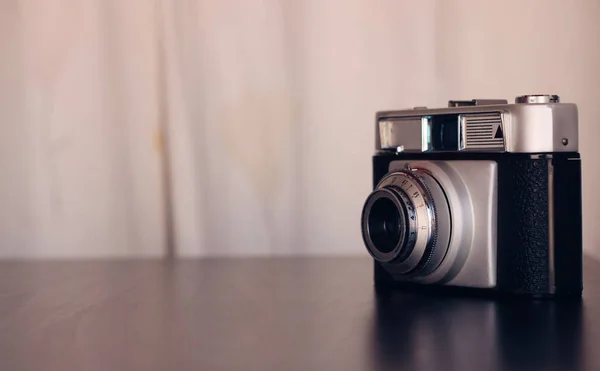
{"x":481,"y":194}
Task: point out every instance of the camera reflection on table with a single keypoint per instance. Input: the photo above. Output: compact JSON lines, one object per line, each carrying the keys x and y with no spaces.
{"x":425,"y":331}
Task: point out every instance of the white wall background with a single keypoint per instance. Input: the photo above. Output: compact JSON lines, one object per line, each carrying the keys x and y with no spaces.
{"x":259,"y":112}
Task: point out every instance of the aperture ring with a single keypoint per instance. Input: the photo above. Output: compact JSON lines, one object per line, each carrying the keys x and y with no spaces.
{"x":411,"y":222}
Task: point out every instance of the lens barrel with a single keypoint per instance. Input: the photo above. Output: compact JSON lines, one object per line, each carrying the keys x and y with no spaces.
{"x":400,"y":222}
{"x":386,"y":223}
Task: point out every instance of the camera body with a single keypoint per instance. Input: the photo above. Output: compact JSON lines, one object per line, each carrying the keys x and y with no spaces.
{"x":482,"y":195}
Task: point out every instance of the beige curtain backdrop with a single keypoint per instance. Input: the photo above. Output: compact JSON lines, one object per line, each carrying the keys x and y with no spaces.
{"x":200,"y":128}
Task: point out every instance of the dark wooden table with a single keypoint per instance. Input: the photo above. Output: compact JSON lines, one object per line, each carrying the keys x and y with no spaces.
{"x":275,"y":314}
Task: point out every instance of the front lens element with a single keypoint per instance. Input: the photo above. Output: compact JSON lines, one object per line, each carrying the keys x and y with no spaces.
{"x":384,"y":225}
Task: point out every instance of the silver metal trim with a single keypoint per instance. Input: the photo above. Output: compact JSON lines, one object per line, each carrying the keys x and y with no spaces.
{"x":527,"y":128}
{"x":478,"y":132}
{"x":476,"y":102}
{"x":425,"y":133}
{"x":538,"y":99}
{"x":471,"y":191}
{"x":443,"y":220}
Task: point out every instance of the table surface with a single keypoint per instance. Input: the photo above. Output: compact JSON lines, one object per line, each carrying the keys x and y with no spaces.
{"x":275,"y":314}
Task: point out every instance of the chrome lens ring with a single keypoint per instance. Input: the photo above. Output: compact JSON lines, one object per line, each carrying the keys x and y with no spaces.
{"x":424,"y":231}
{"x":422,"y":249}
{"x":438,"y":246}
{"x":387,"y":220}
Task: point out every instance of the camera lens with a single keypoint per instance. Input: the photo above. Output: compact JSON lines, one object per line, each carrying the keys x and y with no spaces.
{"x":384,"y":225}
{"x":406,"y":222}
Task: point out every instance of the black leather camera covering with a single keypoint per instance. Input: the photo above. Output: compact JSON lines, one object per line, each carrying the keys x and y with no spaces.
{"x":523,"y":262}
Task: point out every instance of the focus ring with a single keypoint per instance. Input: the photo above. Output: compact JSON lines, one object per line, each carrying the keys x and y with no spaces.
{"x":419,"y":199}
{"x":432,"y":243}
{"x":411,"y":221}
{"x":439,"y":242}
